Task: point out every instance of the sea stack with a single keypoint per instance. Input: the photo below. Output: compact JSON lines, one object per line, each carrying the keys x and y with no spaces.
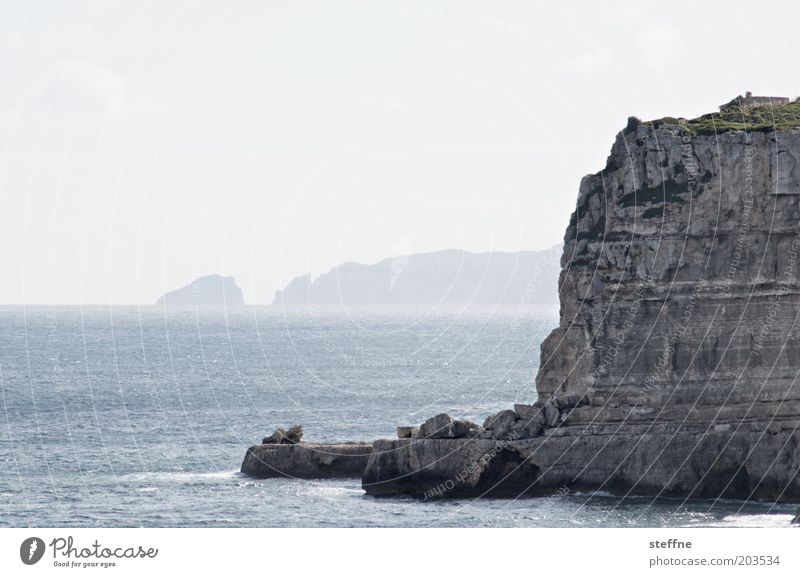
{"x":673,"y":371}
{"x":212,"y":289}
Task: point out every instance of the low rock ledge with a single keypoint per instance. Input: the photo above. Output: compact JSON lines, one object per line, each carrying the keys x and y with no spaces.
{"x":307,"y":460}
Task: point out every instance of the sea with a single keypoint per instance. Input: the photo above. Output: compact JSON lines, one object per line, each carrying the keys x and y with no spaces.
{"x":140,"y":416}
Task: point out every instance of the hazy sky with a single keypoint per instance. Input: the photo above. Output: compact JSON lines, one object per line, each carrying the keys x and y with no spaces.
{"x":143,"y":144}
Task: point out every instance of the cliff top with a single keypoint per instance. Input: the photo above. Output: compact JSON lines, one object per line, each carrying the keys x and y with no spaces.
{"x":776,"y":115}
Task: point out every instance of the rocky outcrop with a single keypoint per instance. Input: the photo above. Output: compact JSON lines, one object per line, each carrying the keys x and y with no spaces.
{"x":448,"y":468}
{"x":407,"y":432}
{"x":668,"y":464}
{"x":450,"y":277}
{"x":673,"y":369}
{"x":206,"y":290}
{"x":282,"y":437}
{"x":307,"y":460}
{"x":443,"y":426}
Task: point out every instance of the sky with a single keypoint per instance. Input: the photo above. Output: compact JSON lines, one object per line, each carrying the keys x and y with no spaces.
{"x":144,"y":144}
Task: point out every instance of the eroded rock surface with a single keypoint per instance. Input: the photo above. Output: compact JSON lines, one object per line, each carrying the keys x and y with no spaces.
{"x":448,"y":468}
{"x":283,"y":437}
{"x":668,"y":463}
{"x":307,"y":460}
{"x":443,"y":426}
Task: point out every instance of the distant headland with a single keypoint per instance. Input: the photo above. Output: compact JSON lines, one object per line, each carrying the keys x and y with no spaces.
{"x":448,"y":277}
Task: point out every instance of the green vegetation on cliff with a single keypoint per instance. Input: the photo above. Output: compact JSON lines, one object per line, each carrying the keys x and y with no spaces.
{"x":763,"y":118}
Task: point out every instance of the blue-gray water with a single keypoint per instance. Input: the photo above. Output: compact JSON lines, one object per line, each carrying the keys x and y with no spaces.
{"x":133,"y":416}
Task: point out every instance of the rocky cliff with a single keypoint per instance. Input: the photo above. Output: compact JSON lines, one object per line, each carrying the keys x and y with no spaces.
{"x":673,"y":369}
{"x":679,"y":285}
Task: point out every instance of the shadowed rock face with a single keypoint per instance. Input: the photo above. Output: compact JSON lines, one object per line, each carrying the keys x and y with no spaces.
{"x":448,"y":468}
{"x":307,"y":460}
{"x":686,"y":463}
{"x":207,"y":290}
{"x":678,"y":335}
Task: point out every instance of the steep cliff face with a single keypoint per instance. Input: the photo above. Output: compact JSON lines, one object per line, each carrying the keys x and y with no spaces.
{"x":679,"y":286}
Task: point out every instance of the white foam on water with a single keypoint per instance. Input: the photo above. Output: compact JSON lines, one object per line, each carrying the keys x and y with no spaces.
{"x":182,"y":476}
{"x":774,"y":521}
{"x":591,"y":494}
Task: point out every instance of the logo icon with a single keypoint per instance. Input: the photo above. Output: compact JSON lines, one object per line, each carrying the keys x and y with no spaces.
{"x":31,"y":550}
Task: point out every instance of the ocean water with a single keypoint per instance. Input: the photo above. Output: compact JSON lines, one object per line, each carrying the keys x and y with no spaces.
{"x":137,"y":416}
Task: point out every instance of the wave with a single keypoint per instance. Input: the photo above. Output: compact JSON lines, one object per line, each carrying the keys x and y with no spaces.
{"x":180,"y":476}
{"x":763,"y":520}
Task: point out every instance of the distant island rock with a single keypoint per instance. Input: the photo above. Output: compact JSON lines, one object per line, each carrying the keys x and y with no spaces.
{"x":206,"y":290}
{"x":448,"y":277}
